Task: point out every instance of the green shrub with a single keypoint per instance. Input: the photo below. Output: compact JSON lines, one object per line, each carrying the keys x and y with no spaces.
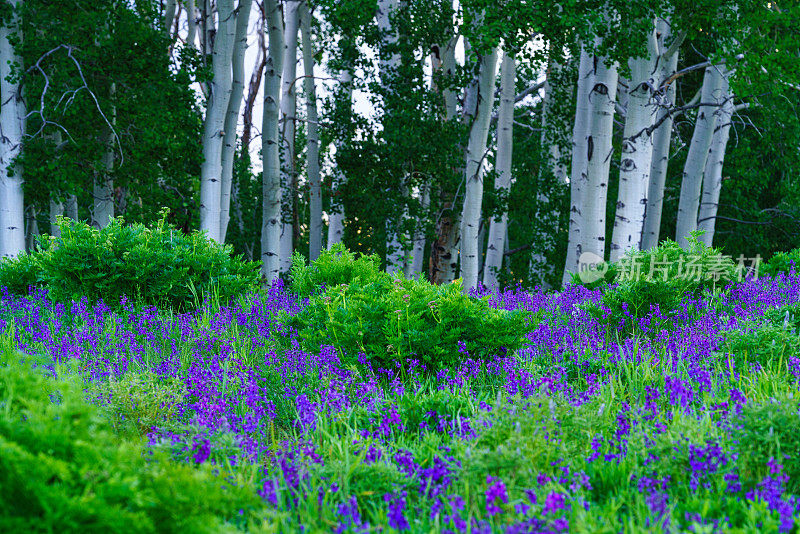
{"x":662,"y":276}
{"x":391,"y":320}
{"x":333,"y":267}
{"x":21,"y":273}
{"x":154,"y":266}
{"x":62,"y":469}
{"x":769,"y":430}
{"x":782,"y":262}
{"x":762,"y":344}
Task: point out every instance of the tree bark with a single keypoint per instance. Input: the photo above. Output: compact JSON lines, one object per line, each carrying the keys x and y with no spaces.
{"x":473,"y":171}
{"x":336,"y":216}
{"x":291,"y":15}
{"x":599,"y":150}
{"x":271,"y":177}
{"x":637,"y":154}
{"x":12,"y":126}
{"x":214,"y":126}
{"x":691,"y":184}
{"x":191,"y":23}
{"x":443,"y":262}
{"x":580,"y":163}
{"x":712,"y":176}
{"x":502,"y":182}
{"x":103,"y":188}
{"x":232,"y":115}
{"x":71,"y":207}
{"x":312,"y":146}
{"x":662,"y":136}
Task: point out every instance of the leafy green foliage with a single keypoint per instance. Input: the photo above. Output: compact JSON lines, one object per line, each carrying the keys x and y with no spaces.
{"x":334,"y":267}
{"x":391,"y":320}
{"x":782,"y":262}
{"x":155,"y":265}
{"x":761,"y":344}
{"x":660,"y":277}
{"x":62,"y":469}
{"x":21,"y":273}
{"x":769,"y":430}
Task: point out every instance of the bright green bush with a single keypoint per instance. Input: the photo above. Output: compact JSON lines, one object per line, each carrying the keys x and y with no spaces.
{"x":391,"y":319}
{"x":662,"y":277}
{"x":62,"y":469}
{"x":158,"y":265}
{"x":761,"y":344}
{"x":769,"y":430}
{"x":782,"y":262}
{"x":21,"y":273}
{"x":333,"y":267}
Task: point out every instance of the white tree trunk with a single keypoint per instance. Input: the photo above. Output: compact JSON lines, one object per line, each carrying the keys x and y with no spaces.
{"x":661,"y":143}
{"x":712,"y":177}
{"x":71,"y":207}
{"x":396,"y":254}
{"x":537,"y":264}
{"x":312,"y":129}
{"x":12,"y":130}
{"x":473,"y":171}
{"x":214,"y":126}
{"x":232,"y":115}
{"x":270,"y":132}
{"x":291,"y":15}
{"x":191,"y":23}
{"x":502,"y":182}
{"x":56,"y":211}
{"x":580,"y":163}
{"x":414,"y":267}
{"x":599,"y":151}
{"x":336,"y":216}
{"x":698,"y":154}
{"x":637,"y":154}
{"x":103,"y":188}
{"x":169,"y":15}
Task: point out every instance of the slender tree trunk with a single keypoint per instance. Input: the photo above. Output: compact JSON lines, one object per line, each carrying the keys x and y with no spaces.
{"x":12,"y":129}
{"x":71,"y":207}
{"x":540,"y":269}
{"x":56,"y":211}
{"x":169,"y":15}
{"x":698,"y":154}
{"x":254,"y":85}
{"x":103,"y":189}
{"x":214,"y":126}
{"x":291,"y":15}
{"x":579,"y":173}
{"x":502,"y":182}
{"x":473,"y":172}
{"x":191,"y":23}
{"x":232,"y":114}
{"x":662,"y":136}
{"x":415,"y":266}
{"x":312,"y":137}
{"x":637,"y":155}
{"x":599,"y":151}
{"x":271,"y":181}
{"x":336,"y":216}
{"x":443,"y":262}
{"x":389,"y":62}
{"x":712,"y":177}
{"x":31,"y":228}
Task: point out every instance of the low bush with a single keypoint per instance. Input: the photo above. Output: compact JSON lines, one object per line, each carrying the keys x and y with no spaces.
{"x":392,"y":320}
{"x":156,"y":265}
{"x":782,"y":262}
{"x":332,"y":268}
{"x":62,"y":469}
{"x":660,"y":278}
{"x":768,"y":431}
